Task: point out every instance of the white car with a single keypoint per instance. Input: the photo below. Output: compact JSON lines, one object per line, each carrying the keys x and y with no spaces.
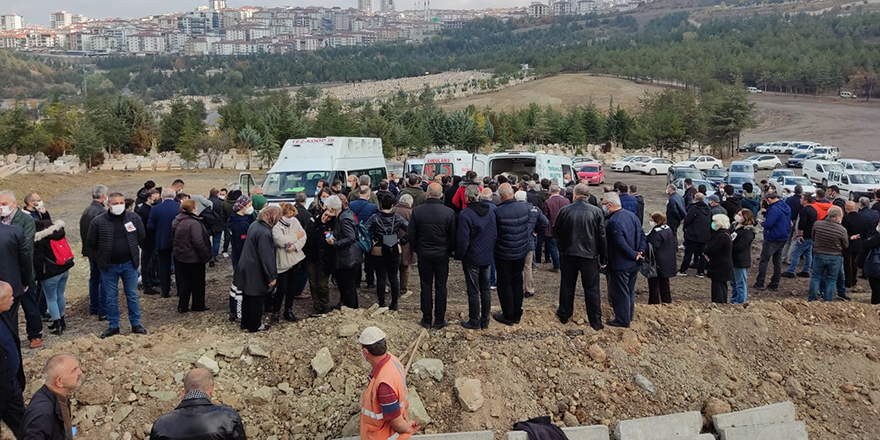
{"x":858,"y":165}
{"x":765,"y":162}
{"x":789,"y":182}
{"x":847,"y":95}
{"x":755,"y":90}
{"x":655,"y":166}
{"x":826,"y":152}
{"x":804,"y":147}
{"x":701,"y":163}
{"x":766,"y":148}
{"x":784,"y":147}
{"x":628,"y":163}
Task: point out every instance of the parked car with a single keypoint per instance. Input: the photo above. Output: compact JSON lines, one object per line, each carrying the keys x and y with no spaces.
{"x":582,"y":159}
{"x":804,"y":147}
{"x":742,"y":168}
{"x":716,"y":176}
{"x":679,"y":185}
{"x":848,"y":95}
{"x":854,"y":184}
{"x":789,"y":182}
{"x":797,"y":161}
{"x":876,"y":164}
{"x":593,"y":172}
{"x":775,"y":174}
{"x":784,"y":147}
{"x":674,"y":173}
{"x":655,"y":166}
{"x":750,"y":146}
{"x":826,"y":152}
{"x":737,"y":183}
{"x":628,"y":163}
{"x":817,"y":170}
{"x":754,"y":90}
{"x":765,"y":148}
{"x":858,"y":165}
{"x":764,"y":162}
{"x":701,"y":163}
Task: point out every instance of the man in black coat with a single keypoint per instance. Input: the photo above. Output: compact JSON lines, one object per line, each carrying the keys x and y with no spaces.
{"x":216,"y":229}
{"x":148,"y":247}
{"x":696,"y":235}
{"x":431,"y":234}
{"x":196,"y":416}
{"x":11,"y":369}
{"x":48,"y":416}
{"x":96,"y":292}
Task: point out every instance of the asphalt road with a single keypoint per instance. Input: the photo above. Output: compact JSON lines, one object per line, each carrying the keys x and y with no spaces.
{"x":854,"y":127}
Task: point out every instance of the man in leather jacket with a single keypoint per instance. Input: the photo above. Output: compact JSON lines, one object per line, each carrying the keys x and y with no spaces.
{"x":196,"y":416}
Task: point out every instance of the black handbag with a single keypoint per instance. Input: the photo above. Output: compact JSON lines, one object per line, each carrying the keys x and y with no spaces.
{"x":648,"y":265}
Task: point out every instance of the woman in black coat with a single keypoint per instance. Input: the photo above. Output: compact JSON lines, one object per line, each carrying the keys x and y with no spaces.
{"x":386,"y":225}
{"x":191,"y":251}
{"x":743,"y":234}
{"x":719,"y":253}
{"x":257,"y":271}
{"x":663,"y":240}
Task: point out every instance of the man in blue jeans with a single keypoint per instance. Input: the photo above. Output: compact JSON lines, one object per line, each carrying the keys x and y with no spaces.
{"x":829,"y":241}
{"x":803,"y":245}
{"x":115,"y":236}
{"x":96,"y":294}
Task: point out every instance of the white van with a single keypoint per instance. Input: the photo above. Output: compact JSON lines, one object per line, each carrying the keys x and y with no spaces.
{"x":455,"y":163}
{"x":413,"y":166}
{"x":817,"y":170}
{"x":303,"y":162}
{"x":847,"y":95}
{"x":858,"y":165}
{"x":550,"y":166}
{"x":826,"y":152}
{"x":855,"y":184}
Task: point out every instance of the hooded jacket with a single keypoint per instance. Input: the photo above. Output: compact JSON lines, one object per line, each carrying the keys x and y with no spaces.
{"x":477,"y":232}
{"x":665,"y":245}
{"x":750,"y":201}
{"x":347,"y":253}
{"x":777,"y":222}
{"x":732,"y":205}
{"x":822,"y":207}
{"x":238,"y":229}
{"x":697,"y":223}
{"x":459,"y":200}
{"x":45,"y":264}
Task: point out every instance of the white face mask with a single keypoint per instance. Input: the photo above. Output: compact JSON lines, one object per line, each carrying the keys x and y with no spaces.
{"x":221,"y":197}
{"x":39,"y":205}
{"x":652,"y":224}
{"x":5,"y":211}
{"x":117,"y":209}
{"x":738,"y":218}
{"x":249,"y":210}
{"x":288,"y":220}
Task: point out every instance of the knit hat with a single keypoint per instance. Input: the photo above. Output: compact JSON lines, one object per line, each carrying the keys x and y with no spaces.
{"x":714,"y":198}
{"x":241,"y":203}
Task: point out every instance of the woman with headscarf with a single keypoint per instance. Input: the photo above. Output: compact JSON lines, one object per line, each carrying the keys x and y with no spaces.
{"x":290,"y":239}
{"x":386,"y":231}
{"x":719,"y":254}
{"x":257,"y":273}
{"x":407,"y":257}
{"x":191,"y":250}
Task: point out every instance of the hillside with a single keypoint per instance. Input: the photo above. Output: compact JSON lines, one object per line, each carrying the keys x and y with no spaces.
{"x":22,"y":78}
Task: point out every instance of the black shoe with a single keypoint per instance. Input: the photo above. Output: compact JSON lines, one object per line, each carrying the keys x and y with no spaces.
{"x":109,"y":332}
{"x":316,"y":313}
{"x":425,"y":324}
{"x":338,"y":306}
{"x":150,"y":291}
{"x":393,"y":306}
{"x":484,"y":323}
{"x":759,"y":287}
{"x":289,"y":316}
{"x":275,"y":318}
{"x":803,"y":274}
{"x":562,"y":319}
{"x":102,"y":317}
{"x":616,"y":323}
{"x":500,"y":318}
{"x":63,"y":324}
{"x":166,"y":296}
{"x":788,"y":275}
{"x":56,"y":327}
{"x":211,"y":263}
{"x":844,"y":297}
{"x":139,"y":329}
{"x":203,"y":309}
{"x":440,"y":325}
{"x":528,"y":295}
{"x":371,"y":285}
{"x":233,"y":317}
{"x":182,"y":310}
{"x":470,"y":325}
{"x":263,"y":328}
{"x":47,"y":318}
{"x":598,"y":326}
{"x":773,"y":288}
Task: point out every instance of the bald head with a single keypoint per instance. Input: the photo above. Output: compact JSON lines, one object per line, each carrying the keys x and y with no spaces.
{"x":199,"y":379}
{"x":851,"y":206}
{"x":62,"y":374}
{"x":435,"y":191}
{"x":505,"y":191}
{"x":5,"y":296}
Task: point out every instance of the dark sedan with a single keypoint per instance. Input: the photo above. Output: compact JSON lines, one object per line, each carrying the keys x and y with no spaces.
{"x":797,"y":161}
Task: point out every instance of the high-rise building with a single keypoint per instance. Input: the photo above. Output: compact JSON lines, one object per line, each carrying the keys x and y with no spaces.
{"x":217,"y":4}
{"x":386,"y":5}
{"x":78,"y":18}
{"x":9,"y":22}
{"x":365,"y":6}
{"x":538,"y":9}
{"x":59,"y":19}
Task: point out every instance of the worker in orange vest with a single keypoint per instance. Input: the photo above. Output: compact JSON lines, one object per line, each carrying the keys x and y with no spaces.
{"x":385,"y":404}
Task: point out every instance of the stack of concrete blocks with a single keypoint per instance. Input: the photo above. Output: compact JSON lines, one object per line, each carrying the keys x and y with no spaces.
{"x":681,"y":426}
{"x":770,"y":422}
{"x":597,"y":432}
{"x":478,"y":435}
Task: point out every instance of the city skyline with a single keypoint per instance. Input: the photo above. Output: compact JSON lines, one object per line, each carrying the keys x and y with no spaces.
{"x":39,"y":12}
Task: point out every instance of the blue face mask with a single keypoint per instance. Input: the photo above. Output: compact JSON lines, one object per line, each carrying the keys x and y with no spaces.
{"x":323,"y":200}
{"x":605,"y":208}
{"x":714,"y":228}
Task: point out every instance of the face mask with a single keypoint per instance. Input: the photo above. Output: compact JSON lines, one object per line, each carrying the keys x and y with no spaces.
{"x":323,"y":200}
{"x":117,"y":209}
{"x":714,"y":228}
{"x":249,"y":210}
{"x":605,"y":208}
{"x":221,"y":197}
{"x":738,"y":218}
{"x":5,"y":211}
{"x":652,"y":224}
{"x":288,"y":220}
{"x":39,"y":205}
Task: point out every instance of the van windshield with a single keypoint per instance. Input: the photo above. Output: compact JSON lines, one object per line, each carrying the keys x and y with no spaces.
{"x":863,"y":179}
{"x":741,"y":168}
{"x":287,"y":184}
{"x":862,"y":166}
{"x":820,"y":150}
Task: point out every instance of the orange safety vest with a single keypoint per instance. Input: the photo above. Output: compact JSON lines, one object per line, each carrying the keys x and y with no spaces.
{"x":373,"y":427}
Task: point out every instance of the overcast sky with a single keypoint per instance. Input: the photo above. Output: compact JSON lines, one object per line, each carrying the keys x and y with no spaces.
{"x":37,"y":12}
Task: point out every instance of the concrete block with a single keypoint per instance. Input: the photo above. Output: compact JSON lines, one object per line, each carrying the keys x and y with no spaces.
{"x":479,"y":435}
{"x":660,"y":427}
{"x":694,"y":437}
{"x":597,"y":432}
{"x":775,"y":431}
{"x":776,"y":413}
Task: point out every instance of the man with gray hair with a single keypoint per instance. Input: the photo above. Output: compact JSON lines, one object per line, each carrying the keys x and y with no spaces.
{"x":511,"y":247}
{"x":364,"y":186}
{"x":626,"y":244}
{"x":476,"y":236}
{"x":12,"y":378}
{"x":552,"y":205}
{"x":196,"y":416}
{"x":11,"y":215}
{"x":871,"y":216}
{"x":830,"y":240}
{"x":48,"y":415}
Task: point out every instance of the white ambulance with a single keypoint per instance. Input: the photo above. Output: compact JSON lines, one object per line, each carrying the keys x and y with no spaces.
{"x":455,"y":163}
{"x":303,"y":162}
{"x":550,"y":166}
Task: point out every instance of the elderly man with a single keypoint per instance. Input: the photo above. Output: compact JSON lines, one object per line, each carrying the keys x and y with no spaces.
{"x":11,"y":367}
{"x":777,"y":221}
{"x":626,"y":243}
{"x":856,"y":227}
{"x":159,"y":224}
{"x":552,"y":205}
{"x":385,"y":403}
{"x":48,"y":416}
{"x":675,"y":210}
{"x":476,"y":236}
{"x":511,"y":248}
{"x":351,"y":184}
{"x":11,"y":215}
{"x":580,"y":231}
{"x":537,"y":223}
{"x":830,"y":240}
{"x":431,"y":236}
{"x":364,"y":183}
{"x":115,"y":236}
{"x":196,"y":416}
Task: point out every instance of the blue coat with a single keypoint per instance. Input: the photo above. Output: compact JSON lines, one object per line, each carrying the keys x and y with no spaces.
{"x":514,"y":232}
{"x":629,"y":203}
{"x":161,"y":217}
{"x":538,"y":222}
{"x":675,"y":211}
{"x":363,"y":209}
{"x":777,"y":222}
{"x":625,"y":240}
{"x":477,"y":232}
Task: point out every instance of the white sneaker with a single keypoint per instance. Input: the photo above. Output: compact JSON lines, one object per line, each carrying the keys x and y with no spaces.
{"x":225,"y":255}
{"x":493,"y":288}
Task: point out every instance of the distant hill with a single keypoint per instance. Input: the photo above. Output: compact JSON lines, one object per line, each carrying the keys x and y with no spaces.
{"x":23,"y":78}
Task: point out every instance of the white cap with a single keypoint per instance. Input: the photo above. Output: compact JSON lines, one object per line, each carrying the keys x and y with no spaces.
{"x":371,"y":335}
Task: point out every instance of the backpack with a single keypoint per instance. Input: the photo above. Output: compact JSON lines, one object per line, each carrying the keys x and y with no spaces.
{"x":61,"y":250}
{"x":362,"y":235}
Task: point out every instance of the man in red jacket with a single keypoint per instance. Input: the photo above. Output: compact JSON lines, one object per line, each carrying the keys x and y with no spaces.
{"x":459,"y":200}
{"x":551,"y":209}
